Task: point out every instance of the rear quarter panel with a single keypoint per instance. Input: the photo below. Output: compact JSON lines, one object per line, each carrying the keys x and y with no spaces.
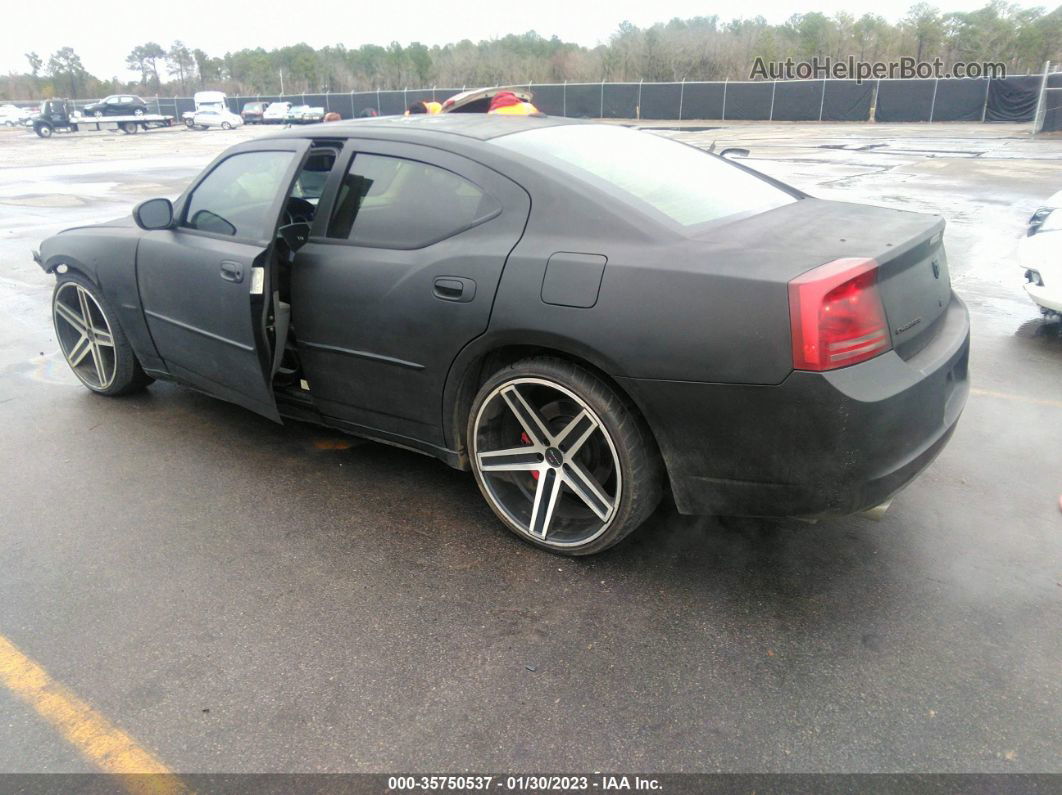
{"x":669,"y":306}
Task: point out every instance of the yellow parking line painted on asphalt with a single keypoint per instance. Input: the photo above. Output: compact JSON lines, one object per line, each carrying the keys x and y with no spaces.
{"x":96,"y":738}
{"x":1008,"y":396}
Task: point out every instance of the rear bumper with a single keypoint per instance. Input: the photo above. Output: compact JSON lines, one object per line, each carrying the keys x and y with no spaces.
{"x":818,"y":444}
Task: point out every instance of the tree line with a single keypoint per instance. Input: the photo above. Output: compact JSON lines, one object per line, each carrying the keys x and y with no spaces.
{"x":700,"y":48}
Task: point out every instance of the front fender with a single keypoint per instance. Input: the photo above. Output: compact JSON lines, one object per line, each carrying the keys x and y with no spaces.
{"x":106,"y":256}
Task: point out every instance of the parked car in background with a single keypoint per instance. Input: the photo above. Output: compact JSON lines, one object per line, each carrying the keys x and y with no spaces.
{"x":117,"y":105}
{"x":294,"y":114}
{"x":477,"y":100}
{"x":581,"y":314}
{"x":205,"y":100}
{"x":13,"y":116}
{"x":216,"y":117}
{"x":1040,"y":256}
{"x":276,"y":113}
{"x":252,"y":112}
{"x":304,"y":114}
{"x":311,"y":114}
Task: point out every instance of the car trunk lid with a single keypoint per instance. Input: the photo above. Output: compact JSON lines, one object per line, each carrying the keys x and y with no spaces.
{"x":783,"y":243}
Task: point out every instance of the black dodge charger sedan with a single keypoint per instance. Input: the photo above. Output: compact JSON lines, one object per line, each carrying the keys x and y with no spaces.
{"x":582,"y":314}
{"x":117,"y":105}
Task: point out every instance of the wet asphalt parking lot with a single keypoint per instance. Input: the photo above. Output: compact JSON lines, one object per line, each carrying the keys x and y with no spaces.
{"x":242,"y":596}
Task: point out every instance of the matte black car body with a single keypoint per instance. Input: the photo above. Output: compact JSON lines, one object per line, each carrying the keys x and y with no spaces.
{"x":693,"y":330}
{"x":117,"y":105}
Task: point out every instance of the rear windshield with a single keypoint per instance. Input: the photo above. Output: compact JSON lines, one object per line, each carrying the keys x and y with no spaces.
{"x":684,"y":184}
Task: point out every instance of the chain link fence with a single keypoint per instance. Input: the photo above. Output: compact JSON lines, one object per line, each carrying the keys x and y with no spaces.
{"x":1017,"y":98}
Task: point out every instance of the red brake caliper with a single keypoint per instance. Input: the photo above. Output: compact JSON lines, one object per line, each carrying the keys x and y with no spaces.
{"x":527,"y":440}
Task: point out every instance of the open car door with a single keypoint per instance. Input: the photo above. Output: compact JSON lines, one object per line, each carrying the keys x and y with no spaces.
{"x":206,"y":285}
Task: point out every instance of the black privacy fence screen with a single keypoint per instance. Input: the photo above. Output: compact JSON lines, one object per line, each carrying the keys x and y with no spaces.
{"x":1049,"y":117}
{"x":1017,"y":98}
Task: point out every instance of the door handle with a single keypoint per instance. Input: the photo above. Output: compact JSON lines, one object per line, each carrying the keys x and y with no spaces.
{"x":232,"y":271}
{"x":455,"y":288}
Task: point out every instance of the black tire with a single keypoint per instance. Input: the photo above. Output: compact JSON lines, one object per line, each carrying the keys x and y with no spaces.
{"x":640,"y":469}
{"x":43,"y":130}
{"x":226,"y":126}
{"x":129,"y":376}
{"x":138,"y":112}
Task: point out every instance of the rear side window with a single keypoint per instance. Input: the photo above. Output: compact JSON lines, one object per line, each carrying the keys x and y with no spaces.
{"x":237,"y":197}
{"x":390,"y":202}
{"x":685,"y":185}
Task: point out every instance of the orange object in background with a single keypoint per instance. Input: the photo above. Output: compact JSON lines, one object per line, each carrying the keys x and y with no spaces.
{"x":333,"y":116}
{"x":506,"y":103}
{"x":430,"y":108}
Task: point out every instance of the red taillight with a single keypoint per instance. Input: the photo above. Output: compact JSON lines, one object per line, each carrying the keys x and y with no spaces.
{"x":837,"y":316}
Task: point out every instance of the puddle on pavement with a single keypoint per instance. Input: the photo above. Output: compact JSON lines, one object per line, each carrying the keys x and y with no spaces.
{"x":50,"y":368}
{"x":49,"y":200}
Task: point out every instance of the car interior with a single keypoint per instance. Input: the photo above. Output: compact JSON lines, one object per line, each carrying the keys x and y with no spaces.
{"x":376,"y":201}
{"x":299,"y":212}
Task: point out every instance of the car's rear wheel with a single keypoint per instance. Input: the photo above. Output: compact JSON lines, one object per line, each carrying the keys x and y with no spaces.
{"x":43,"y":130}
{"x":98,"y":114}
{"x":226,"y":126}
{"x":138,"y":112}
{"x":561,"y":459}
{"x":91,"y":341}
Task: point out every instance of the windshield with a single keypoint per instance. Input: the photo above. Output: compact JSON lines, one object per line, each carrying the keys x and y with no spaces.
{"x":684,"y":184}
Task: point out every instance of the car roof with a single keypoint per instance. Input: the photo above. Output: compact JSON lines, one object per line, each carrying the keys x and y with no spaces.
{"x":479,"y":126}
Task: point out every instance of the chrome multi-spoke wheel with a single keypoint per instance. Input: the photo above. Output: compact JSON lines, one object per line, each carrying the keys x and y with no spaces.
{"x":91,"y":341}
{"x":84,"y":335}
{"x":554,"y":457}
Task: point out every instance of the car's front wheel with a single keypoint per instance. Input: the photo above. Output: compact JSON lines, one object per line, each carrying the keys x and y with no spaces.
{"x":91,"y":341}
{"x":226,"y":126}
{"x":561,"y":458}
{"x":138,"y":112}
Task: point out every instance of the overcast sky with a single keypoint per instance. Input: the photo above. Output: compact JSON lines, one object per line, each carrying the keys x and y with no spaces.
{"x":103,"y":32}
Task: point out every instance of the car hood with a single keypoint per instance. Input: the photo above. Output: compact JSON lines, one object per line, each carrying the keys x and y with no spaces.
{"x":123,"y":221}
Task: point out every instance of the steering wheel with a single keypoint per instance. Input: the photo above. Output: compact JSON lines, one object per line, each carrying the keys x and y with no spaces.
{"x":298,"y":211}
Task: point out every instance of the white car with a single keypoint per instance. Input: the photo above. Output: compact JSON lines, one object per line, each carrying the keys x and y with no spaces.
{"x":1040,"y":256}
{"x":13,"y":116}
{"x":310,"y":115}
{"x":276,"y":113}
{"x":205,"y":100}
{"x":225,"y":119}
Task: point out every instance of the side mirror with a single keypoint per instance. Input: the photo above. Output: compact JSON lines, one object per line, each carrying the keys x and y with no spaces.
{"x":734,"y":151}
{"x":154,"y":214}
